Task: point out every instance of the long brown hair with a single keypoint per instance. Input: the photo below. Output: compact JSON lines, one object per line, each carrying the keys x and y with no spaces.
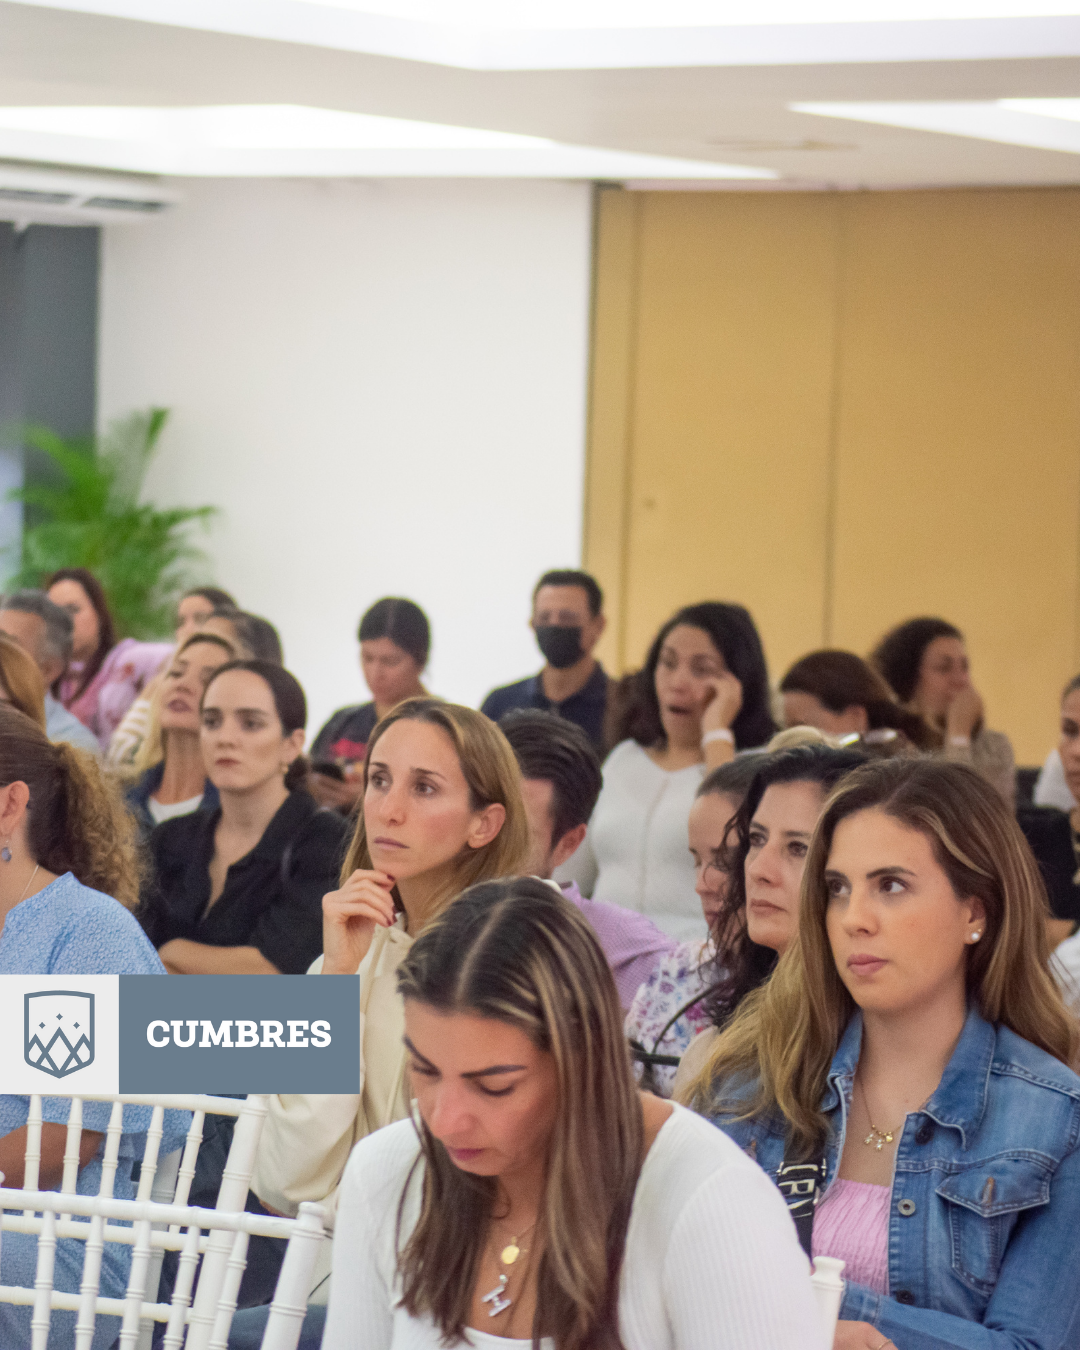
{"x":785,"y":1034}
{"x":493,"y":776}
{"x":22,"y":680}
{"x":519,"y":953}
{"x":76,"y":821}
{"x":107,"y":637}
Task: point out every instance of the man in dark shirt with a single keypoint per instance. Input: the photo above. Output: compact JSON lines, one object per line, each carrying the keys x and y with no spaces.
{"x":567,"y":619}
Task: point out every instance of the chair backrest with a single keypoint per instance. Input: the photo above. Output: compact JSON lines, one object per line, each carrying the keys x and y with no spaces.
{"x":163,"y":1189}
{"x":304,"y":1235}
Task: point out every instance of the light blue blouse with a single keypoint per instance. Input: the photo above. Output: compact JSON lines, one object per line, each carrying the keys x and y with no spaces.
{"x":69,"y":929}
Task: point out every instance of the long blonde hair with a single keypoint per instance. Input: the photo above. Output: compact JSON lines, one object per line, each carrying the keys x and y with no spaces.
{"x":151,"y":750}
{"x":518,"y":952}
{"x":784,"y":1036}
{"x":492,"y":774}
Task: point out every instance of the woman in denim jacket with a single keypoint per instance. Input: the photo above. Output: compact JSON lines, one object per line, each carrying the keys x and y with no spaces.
{"x":913,"y":1041}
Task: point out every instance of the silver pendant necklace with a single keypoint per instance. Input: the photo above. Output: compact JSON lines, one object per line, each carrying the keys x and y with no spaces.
{"x":497,"y":1297}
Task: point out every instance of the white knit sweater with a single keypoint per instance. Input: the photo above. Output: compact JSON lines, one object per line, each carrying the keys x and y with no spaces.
{"x":712,"y":1261}
{"x":637,"y":852}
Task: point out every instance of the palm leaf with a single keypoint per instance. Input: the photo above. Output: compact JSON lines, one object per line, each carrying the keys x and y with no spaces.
{"x":92,"y":517}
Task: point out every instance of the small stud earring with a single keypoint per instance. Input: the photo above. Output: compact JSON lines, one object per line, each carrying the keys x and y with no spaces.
{"x":5,"y":853}
{"x":975,"y":936}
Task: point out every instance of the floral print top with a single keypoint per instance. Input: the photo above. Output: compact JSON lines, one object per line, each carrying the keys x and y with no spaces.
{"x":674,"y":982}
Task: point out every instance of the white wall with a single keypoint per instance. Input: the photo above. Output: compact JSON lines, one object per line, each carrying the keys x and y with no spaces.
{"x":383,"y":386}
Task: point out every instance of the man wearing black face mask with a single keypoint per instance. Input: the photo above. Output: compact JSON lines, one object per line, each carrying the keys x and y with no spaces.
{"x":567,"y":621}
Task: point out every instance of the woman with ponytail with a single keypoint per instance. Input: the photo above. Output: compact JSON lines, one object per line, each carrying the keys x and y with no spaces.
{"x":839,"y":693}
{"x":69,"y":877}
{"x":238,"y":890}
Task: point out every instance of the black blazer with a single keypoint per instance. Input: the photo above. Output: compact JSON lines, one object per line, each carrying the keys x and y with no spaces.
{"x":272,"y":898}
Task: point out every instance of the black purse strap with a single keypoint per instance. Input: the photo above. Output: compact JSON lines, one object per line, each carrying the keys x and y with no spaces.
{"x":800,"y":1184}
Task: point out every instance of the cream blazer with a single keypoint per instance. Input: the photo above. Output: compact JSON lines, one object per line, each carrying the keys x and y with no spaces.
{"x":307,"y":1139}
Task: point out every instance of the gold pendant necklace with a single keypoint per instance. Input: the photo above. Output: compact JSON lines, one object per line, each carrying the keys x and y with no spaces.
{"x":876,"y":1138}
{"x":497,"y":1297}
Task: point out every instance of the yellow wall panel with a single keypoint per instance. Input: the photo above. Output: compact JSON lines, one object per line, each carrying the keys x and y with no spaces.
{"x":731,"y":408}
{"x":843,"y":410}
{"x":958,"y":435}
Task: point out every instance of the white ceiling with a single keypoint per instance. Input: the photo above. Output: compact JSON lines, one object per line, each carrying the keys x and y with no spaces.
{"x":682,"y":81}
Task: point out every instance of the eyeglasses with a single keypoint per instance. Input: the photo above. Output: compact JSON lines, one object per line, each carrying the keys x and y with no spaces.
{"x":879,"y":736}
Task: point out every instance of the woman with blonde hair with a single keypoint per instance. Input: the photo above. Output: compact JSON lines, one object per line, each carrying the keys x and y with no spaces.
{"x":172,"y":777}
{"x":441,"y":810}
{"x":910,"y":1053}
{"x":540,"y":1200}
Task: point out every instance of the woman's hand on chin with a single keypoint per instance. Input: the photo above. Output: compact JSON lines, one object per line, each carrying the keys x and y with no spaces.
{"x":350,"y":917}
{"x":860,"y":1336}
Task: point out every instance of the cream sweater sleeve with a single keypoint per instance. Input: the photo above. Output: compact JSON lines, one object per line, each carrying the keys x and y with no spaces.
{"x":305,"y":1144}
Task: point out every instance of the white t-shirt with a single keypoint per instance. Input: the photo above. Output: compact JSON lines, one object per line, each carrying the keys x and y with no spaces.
{"x":712,"y":1261}
{"x":168,"y":810}
{"x":636,"y":852}
{"x":1051,"y":788}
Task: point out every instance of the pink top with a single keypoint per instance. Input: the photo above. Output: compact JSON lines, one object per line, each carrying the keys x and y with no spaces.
{"x":852,"y":1225}
{"x":127,"y":668}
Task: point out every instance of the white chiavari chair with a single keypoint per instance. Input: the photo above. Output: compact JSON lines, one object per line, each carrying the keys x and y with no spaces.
{"x":216,"y":1250}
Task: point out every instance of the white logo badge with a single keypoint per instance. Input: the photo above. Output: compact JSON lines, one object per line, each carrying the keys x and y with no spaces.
{"x":58,"y":1031}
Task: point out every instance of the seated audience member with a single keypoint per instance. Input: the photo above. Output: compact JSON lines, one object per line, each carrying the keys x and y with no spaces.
{"x":250,"y":632}
{"x":914,"y":1043}
{"x":669,"y":1009}
{"x":176,"y":784}
{"x":503,"y":1215}
{"x":925,"y":663}
{"x":105,"y":674}
{"x":196,"y":606}
{"x":44,"y":630}
{"x":238,"y":891}
{"x":764,"y":855}
{"x":560,"y":782}
{"x":567,"y":620}
{"x":441,"y":810}
{"x":192,"y":611}
{"x":395,"y":640}
{"x":702,"y":695}
{"x":68,"y":877}
{"x":840,"y":694}
{"x":1065,"y":832}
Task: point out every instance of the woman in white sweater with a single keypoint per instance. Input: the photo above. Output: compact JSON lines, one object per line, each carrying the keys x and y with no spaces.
{"x":540,"y":1197}
{"x":702,"y":695}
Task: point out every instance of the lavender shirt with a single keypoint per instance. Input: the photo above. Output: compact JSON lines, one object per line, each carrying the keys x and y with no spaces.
{"x":632,"y":943}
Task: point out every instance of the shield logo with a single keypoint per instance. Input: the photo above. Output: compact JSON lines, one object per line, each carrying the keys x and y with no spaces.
{"x":58,"y":1031}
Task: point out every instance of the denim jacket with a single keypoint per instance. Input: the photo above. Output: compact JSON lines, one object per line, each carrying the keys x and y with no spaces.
{"x":984,"y":1218}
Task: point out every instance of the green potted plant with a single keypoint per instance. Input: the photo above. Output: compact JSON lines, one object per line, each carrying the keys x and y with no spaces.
{"x":91,"y":516}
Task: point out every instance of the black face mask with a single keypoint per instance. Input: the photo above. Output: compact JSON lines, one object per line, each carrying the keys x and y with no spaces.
{"x":561,"y":646}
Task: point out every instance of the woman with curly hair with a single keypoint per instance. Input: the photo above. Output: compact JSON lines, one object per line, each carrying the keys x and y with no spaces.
{"x":69,"y":876}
